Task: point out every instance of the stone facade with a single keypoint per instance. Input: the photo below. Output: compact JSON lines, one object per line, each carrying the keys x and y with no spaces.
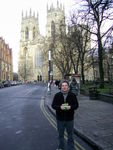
{"x":31,"y":48}
{"x":33,"y":53}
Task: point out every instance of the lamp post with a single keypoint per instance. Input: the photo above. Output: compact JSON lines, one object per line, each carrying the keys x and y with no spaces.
{"x":25,"y":51}
{"x":50,"y":73}
{"x":49,"y":70}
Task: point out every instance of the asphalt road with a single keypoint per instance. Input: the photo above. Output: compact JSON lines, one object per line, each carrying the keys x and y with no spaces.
{"x":23,"y":125}
{"x":25,"y":121}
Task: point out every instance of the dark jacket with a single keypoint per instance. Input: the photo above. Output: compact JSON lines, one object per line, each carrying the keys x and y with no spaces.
{"x":74,"y":88}
{"x":58,"y":100}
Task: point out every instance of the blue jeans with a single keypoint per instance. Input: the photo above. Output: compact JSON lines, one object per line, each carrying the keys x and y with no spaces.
{"x":68,"y":126}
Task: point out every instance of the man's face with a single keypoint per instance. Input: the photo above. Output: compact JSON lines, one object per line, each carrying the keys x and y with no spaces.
{"x":64,"y":87}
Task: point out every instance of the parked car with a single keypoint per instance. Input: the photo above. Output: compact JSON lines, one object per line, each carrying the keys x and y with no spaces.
{"x":1,"y":85}
{"x":13,"y":83}
{"x":6,"y":83}
{"x":19,"y":82}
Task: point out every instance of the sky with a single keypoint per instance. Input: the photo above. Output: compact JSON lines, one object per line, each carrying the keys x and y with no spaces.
{"x":10,"y":20}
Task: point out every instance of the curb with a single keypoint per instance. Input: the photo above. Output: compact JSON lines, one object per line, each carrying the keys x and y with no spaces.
{"x":88,"y":140}
{"x":81,"y":135}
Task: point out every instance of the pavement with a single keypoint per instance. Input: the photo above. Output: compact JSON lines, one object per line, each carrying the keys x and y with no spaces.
{"x":93,"y":120}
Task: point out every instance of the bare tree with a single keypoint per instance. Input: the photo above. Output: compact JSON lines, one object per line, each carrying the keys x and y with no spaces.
{"x":25,"y":69}
{"x":80,"y":45}
{"x":98,"y":13}
{"x":59,"y":48}
{"x":74,"y":55}
{"x":61,"y":56}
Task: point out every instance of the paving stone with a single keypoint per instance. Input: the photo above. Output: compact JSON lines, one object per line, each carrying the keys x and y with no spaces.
{"x":93,"y":119}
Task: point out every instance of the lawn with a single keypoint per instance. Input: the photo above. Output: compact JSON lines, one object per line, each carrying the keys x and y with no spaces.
{"x":108,"y":88}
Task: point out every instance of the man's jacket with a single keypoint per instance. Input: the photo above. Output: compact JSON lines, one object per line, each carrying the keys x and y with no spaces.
{"x":58,"y":100}
{"x":74,"y":88}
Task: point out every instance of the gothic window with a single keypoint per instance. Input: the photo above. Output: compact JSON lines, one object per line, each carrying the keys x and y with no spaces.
{"x":61,"y":26}
{"x":55,"y":14}
{"x":33,"y":32}
{"x":25,"y":51}
{"x":38,"y":58}
{"x":52,"y":29}
{"x":27,"y":33}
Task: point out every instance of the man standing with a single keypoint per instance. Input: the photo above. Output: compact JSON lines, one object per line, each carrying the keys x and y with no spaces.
{"x":74,"y":87}
{"x":65,"y":104}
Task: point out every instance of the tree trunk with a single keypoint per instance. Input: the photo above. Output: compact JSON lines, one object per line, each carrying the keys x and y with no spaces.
{"x":82,"y":73}
{"x":100,"y":61}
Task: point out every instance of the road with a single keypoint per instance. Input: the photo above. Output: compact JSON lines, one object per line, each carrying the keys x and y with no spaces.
{"x":26,"y":123}
{"x":23,"y":125}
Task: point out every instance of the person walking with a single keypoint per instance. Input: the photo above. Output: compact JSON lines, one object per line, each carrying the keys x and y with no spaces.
{"x":74,"y":87}
{"x":65,"y":103}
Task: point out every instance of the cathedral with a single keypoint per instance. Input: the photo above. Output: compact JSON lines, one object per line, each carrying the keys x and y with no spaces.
{"x":34,"y":48}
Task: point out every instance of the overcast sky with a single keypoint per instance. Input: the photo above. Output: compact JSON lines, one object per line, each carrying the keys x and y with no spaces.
{"x":10,"y":20}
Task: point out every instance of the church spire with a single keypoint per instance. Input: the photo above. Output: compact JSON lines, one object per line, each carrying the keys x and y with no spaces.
{"x":52,"y":6}
{"x":26,"y":14}
{"x":63,"y":8}
{"x":37,"y":15}
{"x":34,"y":14}
{"x":30,"y":12}
{"x":22,"y":13}
{"x":57,"y":4}
{"x":47,"y":7}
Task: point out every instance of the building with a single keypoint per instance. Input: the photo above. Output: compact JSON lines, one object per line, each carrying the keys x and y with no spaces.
{"x":30,"y":64}
{"x":34,"y":48}
{"x":15,"y":76}
{"x":55,"y":27}
{"x":5,"y":61}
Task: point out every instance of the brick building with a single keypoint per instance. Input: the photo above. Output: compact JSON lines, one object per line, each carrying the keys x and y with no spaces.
{"x":5,"y":61}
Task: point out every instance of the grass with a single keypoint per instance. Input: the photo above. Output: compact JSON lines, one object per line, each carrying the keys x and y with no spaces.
{"x":108,"y":88}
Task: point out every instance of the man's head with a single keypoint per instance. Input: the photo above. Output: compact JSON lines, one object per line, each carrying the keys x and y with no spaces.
{"x":64,"y":86}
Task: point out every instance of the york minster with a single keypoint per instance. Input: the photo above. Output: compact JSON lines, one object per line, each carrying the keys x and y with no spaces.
{"x":34,"y":48}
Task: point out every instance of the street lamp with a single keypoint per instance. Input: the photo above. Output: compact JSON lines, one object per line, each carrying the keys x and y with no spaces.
{"x":50,"y":73}
{"x":25,"y":51}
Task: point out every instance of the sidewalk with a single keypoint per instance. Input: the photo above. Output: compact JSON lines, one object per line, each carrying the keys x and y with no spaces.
{"x":93,"y":120}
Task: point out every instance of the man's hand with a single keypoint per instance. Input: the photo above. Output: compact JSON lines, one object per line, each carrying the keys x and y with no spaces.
{"x":68,"y":107}
{"x":65,"y":106}
{"x":62,"y":107}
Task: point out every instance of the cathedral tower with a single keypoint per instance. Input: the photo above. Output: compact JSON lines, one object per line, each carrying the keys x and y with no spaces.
{"x":55,"y":20}
{"x":30,"y":66}
{"x":34,"y":48}
{"x":55,"y":28}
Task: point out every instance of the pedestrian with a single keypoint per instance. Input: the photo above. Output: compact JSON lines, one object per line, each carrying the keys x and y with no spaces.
{"x":65,"y":104}
{"x":74,"y":87}
{"x":57,"y":82}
